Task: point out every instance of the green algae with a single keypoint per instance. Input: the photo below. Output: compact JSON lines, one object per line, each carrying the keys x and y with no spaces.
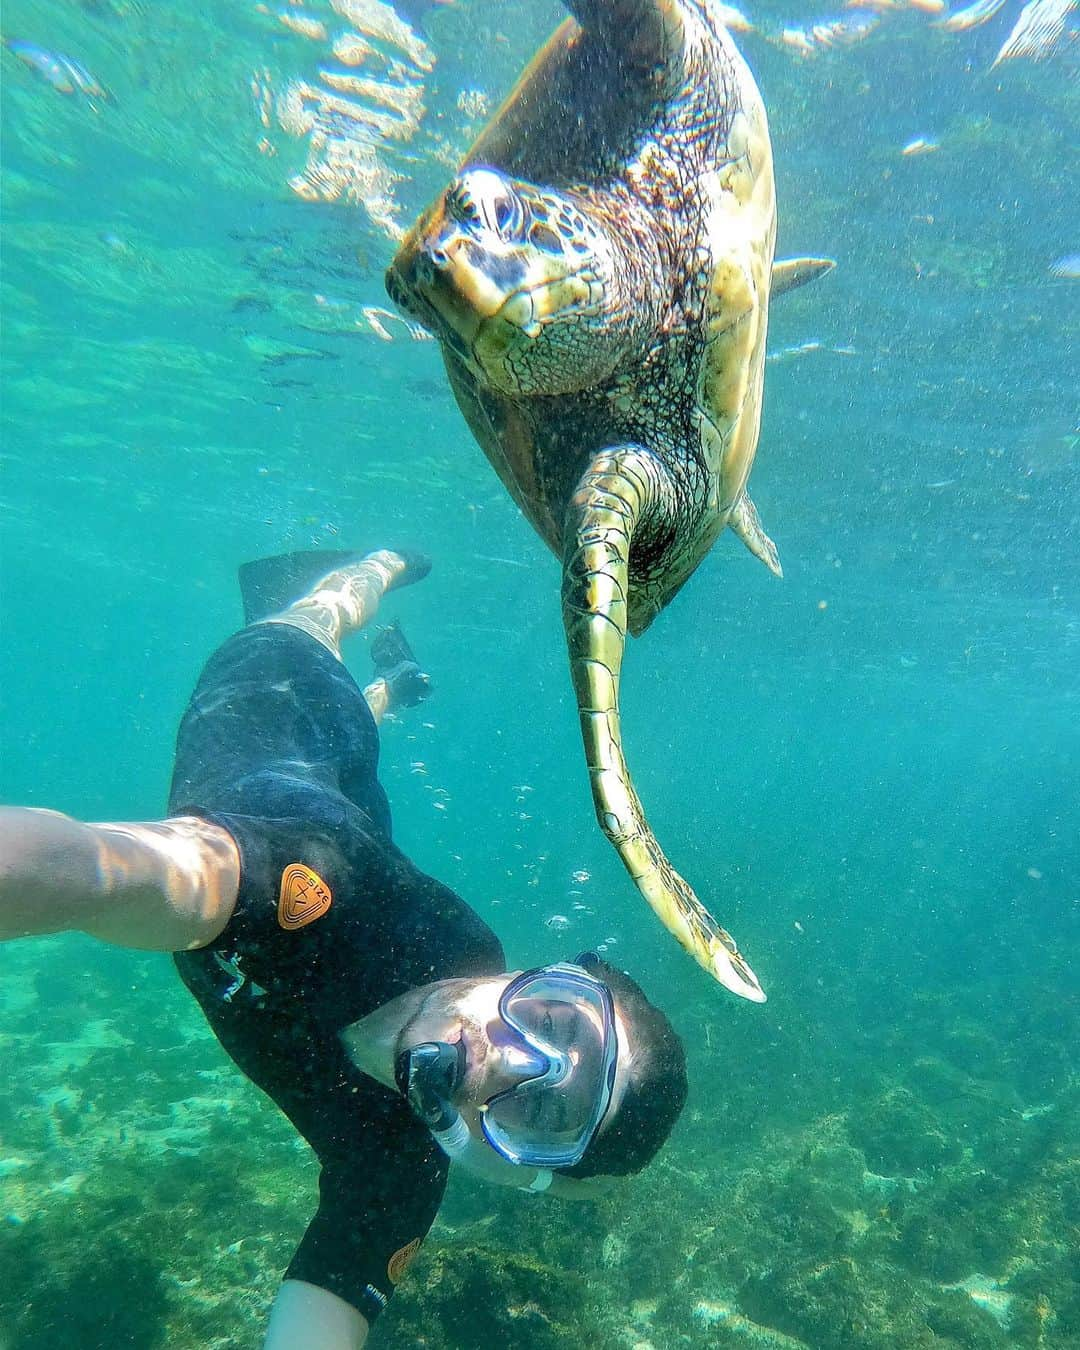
{"x":898,"y":1133}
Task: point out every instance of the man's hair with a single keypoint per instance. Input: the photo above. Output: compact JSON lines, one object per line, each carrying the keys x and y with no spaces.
{"x":655,"y":1092}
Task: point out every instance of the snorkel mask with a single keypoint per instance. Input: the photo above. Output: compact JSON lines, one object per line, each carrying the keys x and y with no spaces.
{"x":558,"y":1032}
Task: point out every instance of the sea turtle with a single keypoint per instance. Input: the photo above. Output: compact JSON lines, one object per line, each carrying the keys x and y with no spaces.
{"x":598,"y":275}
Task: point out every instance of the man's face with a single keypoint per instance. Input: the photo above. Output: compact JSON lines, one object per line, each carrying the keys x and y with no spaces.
{"x":468,"y":1011}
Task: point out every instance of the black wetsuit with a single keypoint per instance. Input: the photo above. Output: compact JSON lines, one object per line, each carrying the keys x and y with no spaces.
{"x":279,"y":747}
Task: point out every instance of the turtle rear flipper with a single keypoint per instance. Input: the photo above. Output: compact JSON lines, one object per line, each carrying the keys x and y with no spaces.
{"x":744,"y":523}
{"x":618,"y":490}
{"x":787,"y":273}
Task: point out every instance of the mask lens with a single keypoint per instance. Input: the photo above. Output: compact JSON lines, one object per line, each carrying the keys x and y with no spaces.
{"x":567,"y":1016}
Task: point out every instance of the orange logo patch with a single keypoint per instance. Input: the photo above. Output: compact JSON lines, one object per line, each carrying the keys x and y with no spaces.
{"x":401,"y":1260}
{"x":304,"y":897}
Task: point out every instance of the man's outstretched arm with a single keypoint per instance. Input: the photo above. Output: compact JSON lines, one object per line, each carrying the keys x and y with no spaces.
{"x":167,"y":885}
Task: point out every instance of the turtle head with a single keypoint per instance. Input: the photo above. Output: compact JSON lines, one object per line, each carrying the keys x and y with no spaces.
{"x":518,"y":281}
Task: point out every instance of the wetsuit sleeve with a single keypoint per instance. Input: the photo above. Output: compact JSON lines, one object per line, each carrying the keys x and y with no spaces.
{"x":382,"y":1175}
{"x":377,"y":1201}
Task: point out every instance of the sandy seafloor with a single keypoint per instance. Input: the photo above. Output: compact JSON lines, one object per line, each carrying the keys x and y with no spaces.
{"x":871,"y":771}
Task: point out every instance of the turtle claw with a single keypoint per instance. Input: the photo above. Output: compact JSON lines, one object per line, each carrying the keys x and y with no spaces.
{"x":730,"y":970}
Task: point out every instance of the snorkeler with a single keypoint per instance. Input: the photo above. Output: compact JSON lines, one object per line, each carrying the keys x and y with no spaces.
{"x":365,"y":998}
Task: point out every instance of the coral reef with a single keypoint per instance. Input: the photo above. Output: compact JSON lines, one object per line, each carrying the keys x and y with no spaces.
{"x":151,"y":1198}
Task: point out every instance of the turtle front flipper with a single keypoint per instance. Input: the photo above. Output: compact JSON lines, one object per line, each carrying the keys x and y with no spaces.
{"x":619,"y":491}
{"x":655,"y":22}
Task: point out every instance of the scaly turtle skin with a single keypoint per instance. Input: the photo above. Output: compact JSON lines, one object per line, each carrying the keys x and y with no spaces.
{"x":598,"y":275}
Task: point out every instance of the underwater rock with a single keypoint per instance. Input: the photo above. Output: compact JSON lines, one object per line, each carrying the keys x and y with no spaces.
{"x":844,"y":1305}
{"x":942,"y":1251}
{"x":471,"y":1295}
{"x":959,"y":1318}
{"x":899,"y":1134}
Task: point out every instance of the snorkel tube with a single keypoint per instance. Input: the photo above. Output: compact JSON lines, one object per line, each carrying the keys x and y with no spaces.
{"x":427,"y":1075}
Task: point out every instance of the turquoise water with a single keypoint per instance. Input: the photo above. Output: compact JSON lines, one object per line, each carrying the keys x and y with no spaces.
{"x":871,"y":770}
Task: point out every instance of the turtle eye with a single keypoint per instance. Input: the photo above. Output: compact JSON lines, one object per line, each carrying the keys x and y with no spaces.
{"x":460,"y":204}
{"x":504,"y":214}
{"x":482,"y":199}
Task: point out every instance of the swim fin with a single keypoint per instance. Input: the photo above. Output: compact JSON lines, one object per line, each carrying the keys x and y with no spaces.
{"x":269,"y":585}
{"x":389,"y":649}
{"x":395,"y":663}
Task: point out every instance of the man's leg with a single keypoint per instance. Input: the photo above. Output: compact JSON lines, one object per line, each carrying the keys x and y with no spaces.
{"x":348,"y":599}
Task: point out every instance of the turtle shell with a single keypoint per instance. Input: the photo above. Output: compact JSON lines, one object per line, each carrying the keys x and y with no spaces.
{"x":655,"y":95}
{"x":650,"y":97}
{"x":590,"y":94}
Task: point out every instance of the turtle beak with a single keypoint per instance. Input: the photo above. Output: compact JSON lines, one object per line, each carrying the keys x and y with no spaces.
{"x":449,"y":280}
{"x":416,"y":280}
{"x":421,"y":279}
